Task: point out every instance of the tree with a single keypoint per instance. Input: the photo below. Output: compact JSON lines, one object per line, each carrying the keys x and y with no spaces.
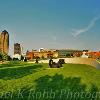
{"x":22,"y":57}
{"x":4,"y":57}
{"x":9,"y":58}
{"x":42,"y":57}
{"x":68,"y":55}
{"x":1,"y":57}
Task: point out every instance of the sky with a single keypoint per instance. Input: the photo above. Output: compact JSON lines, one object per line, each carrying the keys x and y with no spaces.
{"x":71,"y":24}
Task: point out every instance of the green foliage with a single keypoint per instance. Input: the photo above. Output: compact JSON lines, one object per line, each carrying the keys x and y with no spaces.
{"x":69,"y":55}
{"x":1,"y":57}
{"x":22,"y":57}
{"x":5,"y":57}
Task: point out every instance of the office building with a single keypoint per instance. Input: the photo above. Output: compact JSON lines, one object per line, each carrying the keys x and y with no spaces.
{"x":4,"y":42}
{"x":17,"y":49}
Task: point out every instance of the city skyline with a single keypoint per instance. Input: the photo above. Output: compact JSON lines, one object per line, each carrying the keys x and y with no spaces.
{"x":52,"y":23}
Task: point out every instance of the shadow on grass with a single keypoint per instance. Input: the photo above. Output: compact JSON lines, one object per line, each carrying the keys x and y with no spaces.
{"x":57,"y":88}
{"x":14,"y":73}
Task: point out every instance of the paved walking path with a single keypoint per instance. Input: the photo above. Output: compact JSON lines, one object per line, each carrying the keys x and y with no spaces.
{"x":87,"y":61}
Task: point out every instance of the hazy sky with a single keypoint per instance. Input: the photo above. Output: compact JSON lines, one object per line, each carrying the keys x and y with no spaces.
{"x":73,"y":24}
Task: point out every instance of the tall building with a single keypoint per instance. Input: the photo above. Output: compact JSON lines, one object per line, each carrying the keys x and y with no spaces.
{"x":4,"y":42}
{"x":17,"y":49}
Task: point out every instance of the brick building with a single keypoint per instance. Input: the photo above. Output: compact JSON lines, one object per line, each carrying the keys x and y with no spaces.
{"x":43,"y":54}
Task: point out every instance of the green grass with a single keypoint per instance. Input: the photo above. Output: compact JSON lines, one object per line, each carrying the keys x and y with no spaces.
{"x":24,"y":81}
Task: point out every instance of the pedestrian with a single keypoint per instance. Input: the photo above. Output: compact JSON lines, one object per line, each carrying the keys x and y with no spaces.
{"x":37,"y":61}
{"x":51,"y":63}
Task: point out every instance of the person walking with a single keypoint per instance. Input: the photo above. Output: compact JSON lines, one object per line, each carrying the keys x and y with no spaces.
{"x":50,"y":63}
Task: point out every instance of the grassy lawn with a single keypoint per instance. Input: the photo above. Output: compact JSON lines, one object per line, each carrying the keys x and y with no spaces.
{"x":24,"y":81}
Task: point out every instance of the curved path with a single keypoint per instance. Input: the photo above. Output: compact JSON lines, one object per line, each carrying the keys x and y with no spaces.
{"x":87,"y":61}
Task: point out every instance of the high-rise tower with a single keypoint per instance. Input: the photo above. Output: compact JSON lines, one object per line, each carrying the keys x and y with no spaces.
{"x":17,"y":48}
{"x":4,"y":42}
